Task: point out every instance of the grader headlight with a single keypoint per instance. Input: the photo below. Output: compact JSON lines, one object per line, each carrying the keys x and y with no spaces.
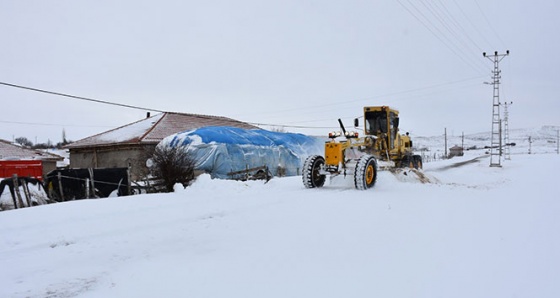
{"x":334,"y":134}
{"x":351,"y":134}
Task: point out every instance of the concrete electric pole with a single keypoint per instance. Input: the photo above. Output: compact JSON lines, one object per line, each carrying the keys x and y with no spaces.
{"x":496,"y":137}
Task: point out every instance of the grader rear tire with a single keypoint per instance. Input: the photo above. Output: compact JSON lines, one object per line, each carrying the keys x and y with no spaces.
{"x":365,"y":173}
{"x":417,"y":161}
{"x":311,"y":175}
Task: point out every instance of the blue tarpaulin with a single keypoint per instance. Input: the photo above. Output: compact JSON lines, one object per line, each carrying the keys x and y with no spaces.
{"x":221,"y":150}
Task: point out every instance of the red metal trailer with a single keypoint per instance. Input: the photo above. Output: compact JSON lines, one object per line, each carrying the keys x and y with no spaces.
{"x":22,"y":168}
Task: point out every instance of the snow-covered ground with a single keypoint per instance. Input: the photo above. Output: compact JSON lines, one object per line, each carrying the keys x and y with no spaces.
{"x":473,"y":231}
{"x":527,"y":140}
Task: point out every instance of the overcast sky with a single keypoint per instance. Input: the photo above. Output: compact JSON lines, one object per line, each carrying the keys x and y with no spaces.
{"x":288,"y":63}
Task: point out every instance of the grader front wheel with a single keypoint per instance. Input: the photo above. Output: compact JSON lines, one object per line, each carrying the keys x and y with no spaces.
{"x":311,"y":175}
{"x":365,"y":173}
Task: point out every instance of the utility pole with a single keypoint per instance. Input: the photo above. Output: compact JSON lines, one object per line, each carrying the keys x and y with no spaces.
{"x":496,"y":137}
{"x":507,"y":153}
{"x":445,"y":134}
{"x":557,"y":141}
{"x":501,"y":145}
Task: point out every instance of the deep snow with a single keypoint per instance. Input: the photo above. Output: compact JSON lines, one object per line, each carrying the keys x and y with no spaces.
{"x":474,"y":231}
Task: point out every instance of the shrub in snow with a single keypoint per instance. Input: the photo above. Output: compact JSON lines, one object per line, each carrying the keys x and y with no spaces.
{"x":172,"y":165}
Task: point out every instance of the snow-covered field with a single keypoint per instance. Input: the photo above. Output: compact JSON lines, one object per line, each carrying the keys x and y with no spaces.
{"x":474,"y":231}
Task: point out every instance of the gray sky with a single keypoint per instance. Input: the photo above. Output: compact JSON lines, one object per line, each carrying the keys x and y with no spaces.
{"x":291,"y":63}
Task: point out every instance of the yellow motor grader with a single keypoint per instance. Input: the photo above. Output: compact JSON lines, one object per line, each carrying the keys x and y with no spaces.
{"x":359,"y":156}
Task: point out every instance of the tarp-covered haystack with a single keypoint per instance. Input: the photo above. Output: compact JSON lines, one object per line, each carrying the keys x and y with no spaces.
{"x":222,"y":151}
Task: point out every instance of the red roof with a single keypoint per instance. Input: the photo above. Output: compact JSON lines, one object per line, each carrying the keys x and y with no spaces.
{"x":153,"y":129}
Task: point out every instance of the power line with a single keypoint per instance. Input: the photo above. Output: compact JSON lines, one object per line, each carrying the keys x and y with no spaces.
{"x":290,"y":126}
{"x":443,"y":38}
{"x":459,"y":37}
{"x":287,"y":124}
{"x":51,"y":124}
{"x":441,"y":17}
{"x":347,"y":107}
{"x":472,"y":23}
{"x":80,"y":97}
{"x":345,"y":102}
{"x":115,"y":104}
{"x":489,"y":24}
{"x":458,"y":25}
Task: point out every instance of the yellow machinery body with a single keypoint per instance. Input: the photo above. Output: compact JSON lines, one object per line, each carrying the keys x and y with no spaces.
{"x":359,"y":156}
{"x":382,"y":139}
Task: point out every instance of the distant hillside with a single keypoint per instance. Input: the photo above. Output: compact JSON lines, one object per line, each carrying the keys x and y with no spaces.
{"x":543,"y":140}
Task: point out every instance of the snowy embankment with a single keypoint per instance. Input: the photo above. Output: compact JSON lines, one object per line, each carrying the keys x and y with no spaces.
{"x":474,"y":231}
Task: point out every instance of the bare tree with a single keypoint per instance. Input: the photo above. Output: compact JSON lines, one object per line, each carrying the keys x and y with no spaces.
{"x":172,"y":165}
{"x":24,"y":141}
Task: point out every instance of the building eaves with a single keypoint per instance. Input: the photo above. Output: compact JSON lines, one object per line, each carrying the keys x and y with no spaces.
{"x":154,"y":129}
{"x":9,"y":150}
{"x":124,"y":135}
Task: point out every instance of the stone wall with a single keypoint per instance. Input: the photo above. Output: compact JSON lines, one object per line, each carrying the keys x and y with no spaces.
{"x":113,"y":157}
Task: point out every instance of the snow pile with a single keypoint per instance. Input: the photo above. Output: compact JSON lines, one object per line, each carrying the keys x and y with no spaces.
{"x":221,"y":150}
{"x":475,"y":232}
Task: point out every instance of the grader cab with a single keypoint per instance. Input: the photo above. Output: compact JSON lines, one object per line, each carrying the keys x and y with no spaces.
{"x":362,"y":156}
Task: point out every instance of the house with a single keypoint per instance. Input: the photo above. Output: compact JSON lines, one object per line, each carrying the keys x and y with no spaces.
{"x":456,"y":151}
{"x":14,"y":157}
{"x":131,"y":145}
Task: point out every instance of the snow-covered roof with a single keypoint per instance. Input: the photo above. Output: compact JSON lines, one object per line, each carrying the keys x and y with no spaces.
{"x":10,"y":151}
{"x":153,"y":129}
